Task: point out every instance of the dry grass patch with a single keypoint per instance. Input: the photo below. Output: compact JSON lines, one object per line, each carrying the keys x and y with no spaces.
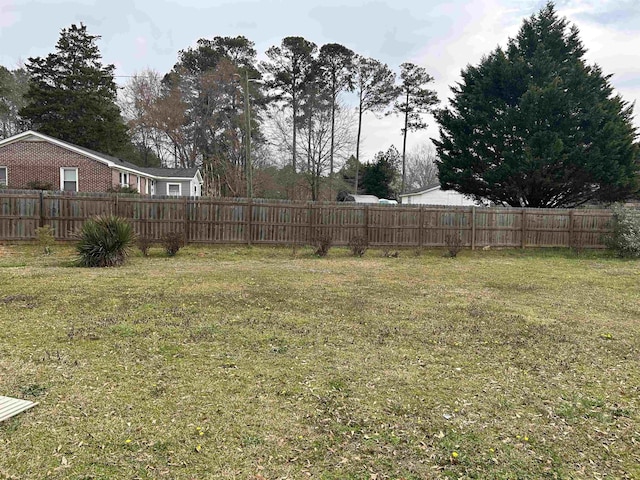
{"x":256,"y":363}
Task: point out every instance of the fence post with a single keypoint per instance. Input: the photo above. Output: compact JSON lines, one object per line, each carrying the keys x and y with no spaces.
{"x":248,"y":220}
{"x":524,"y":228}
{"x":421,"y":227}
{"x":473,"y":228}
{"x":310,"y":239}
{"x":115,"y":204}
{"x":185,"y":207}
{"x":41,"y":223}
{"x":366,"y":224}
{"x":571,"y":232}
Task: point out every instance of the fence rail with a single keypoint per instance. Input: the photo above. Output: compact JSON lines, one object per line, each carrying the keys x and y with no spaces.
{"x":227,"y":221}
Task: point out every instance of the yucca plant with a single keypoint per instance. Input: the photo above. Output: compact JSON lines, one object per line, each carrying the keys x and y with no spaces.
{"x":104,"y":241}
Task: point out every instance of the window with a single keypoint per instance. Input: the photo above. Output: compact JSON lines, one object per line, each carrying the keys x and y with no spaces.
{"x":153,"y":187}
{"x":124,"y":179}
{"x":174,"y":189}
{"x":138,"y":183}
{"x":146,"y":186}
{"x":3,"y":177}
{"x":69,"y":179}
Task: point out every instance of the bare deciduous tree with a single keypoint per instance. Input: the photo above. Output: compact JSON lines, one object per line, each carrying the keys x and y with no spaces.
{"x":317,"y":148}
{"x":421,"y":169}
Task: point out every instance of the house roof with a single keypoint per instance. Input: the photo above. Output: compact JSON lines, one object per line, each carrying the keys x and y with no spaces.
{"x":172,"y":172}
{"x":416,"y":191}
{"x":114,"y":162}
{"x":362,"y":198}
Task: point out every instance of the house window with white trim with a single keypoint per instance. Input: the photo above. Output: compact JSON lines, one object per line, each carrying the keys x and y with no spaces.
{"x":152,"y":187}
{"x":124,"y":179}
{"x":146,"y":186}
{"x":138,"y":183}
{"x":69,"y":179}
{"x":174,"y":189}
{"x":4,"y":177}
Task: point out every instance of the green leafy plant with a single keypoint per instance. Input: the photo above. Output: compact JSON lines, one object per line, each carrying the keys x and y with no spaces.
{"x":172,"y":242}
{"x":104,"y":241}
{"x":45,"y":238}
{"x":624,"y":239}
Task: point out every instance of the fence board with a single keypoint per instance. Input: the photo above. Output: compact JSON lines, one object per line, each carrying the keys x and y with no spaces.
{"x":234,"y":221}
{"x":19,"y":215}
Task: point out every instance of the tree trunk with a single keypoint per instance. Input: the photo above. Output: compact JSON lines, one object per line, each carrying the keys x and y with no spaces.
{"x":358,"y":144}
{"x":295,"y":129}
{"x":404,"y":144}
{"x":333,"y":128}
{"x":309,"y":131}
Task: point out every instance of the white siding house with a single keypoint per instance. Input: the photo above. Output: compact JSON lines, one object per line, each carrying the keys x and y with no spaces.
{"x":434,"y":195}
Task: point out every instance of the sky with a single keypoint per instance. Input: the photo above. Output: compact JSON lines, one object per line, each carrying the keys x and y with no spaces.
{"x":443,"y":36}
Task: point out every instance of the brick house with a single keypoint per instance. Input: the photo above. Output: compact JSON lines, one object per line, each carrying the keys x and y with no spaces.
{"x":31,"y":158}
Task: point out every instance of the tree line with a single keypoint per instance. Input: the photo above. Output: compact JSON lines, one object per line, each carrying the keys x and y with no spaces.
{"x":531,"y":125}
{"x":220,"y":109}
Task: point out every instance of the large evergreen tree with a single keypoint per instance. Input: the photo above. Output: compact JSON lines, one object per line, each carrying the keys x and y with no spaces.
{"x":13,"y":86}
{"x":72,"y":95}
{"x":211,"y":79}
{"x":533,"y":125}
{"x":378,"y":177}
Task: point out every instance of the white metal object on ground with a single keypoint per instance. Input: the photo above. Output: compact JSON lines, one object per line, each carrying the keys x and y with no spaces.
{"x":10,"y":407}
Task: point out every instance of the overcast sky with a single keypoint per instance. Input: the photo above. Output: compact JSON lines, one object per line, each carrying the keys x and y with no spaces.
{"x":441,"y":35}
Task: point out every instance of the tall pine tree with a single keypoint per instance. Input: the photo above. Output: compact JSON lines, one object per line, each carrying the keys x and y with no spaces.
{"x":288,"y":66}
{"x":336,"y":66}
{"x":534,"y":126}
{"x":374,"y":84}
{"x":414,"y":100}
{"x":72,"y":95}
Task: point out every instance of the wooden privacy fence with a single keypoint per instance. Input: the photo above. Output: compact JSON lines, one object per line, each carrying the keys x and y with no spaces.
{"x":228,"y":221}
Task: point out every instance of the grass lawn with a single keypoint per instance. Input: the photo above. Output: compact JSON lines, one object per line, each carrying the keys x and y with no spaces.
{"x":269,"y":363}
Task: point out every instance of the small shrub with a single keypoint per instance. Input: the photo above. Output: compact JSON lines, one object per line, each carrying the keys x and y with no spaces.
{"x":39,"y":185}
{"x":294,"y":249}
{"x":453,"y":241}
{"x":172,"y":242}
{"x":122,"y":189}
{"x":144,"y":244}
{"x":322,"y":244}
{"x":104,"y":241}
{"x":358,"y":245}
{"x":45,"y":238}
{"x":577,"y":244}
{"x":624,"y":240}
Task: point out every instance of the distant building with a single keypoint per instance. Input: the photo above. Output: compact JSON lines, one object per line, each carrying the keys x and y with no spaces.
{"x":434,"y":195}
{"x":350,"y":197}
{"x":32,"y":158}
